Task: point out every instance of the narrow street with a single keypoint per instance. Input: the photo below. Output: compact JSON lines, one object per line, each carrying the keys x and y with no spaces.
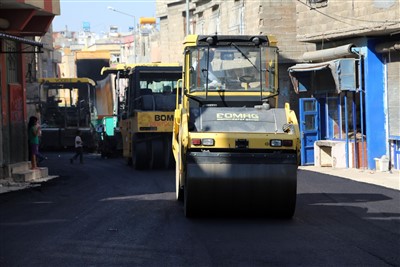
{"x":104,"y":213}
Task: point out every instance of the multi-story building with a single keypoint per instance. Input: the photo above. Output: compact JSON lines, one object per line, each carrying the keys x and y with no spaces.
{"x":135,"y":46}
{"x":343,"y":64}
{"x":20,"y":22}
{"x":351,"y":84}
{"x":272,"y":17}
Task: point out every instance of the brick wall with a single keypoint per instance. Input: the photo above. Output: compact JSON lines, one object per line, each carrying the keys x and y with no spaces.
{"x":276,"y":17}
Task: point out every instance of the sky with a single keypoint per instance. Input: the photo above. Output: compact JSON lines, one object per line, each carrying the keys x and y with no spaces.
{"x":75,"y":12}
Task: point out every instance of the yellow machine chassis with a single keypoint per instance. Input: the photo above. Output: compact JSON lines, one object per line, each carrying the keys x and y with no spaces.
{"x":222,"y":175}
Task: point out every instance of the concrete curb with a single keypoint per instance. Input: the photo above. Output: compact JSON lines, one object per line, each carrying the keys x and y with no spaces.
{"x":9,"y":185}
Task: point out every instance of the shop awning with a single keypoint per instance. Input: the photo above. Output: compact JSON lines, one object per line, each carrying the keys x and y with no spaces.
{"x":339,"y":74}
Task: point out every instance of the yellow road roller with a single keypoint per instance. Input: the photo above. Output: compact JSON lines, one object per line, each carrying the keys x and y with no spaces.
{"x":147,"y":116}
{"x":234,"y":149}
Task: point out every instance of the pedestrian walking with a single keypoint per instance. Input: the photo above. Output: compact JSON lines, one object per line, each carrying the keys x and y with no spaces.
{"x":78,"y":148}
{"x":34,"y":132}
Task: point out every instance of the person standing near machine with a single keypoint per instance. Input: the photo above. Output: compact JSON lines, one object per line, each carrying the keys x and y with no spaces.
{"x":33,"y":138}
{"x":78,"y":148}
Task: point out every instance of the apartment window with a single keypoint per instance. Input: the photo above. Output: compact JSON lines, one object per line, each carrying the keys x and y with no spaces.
{"x":192,"y":23}
{"x":214,"y":24}
{"x":236,"y":19}
{"x":12,"y":61}
{"x":200,"y":28}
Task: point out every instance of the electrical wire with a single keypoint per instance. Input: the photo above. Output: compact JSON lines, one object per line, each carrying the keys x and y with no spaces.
{"x":348,"y":18}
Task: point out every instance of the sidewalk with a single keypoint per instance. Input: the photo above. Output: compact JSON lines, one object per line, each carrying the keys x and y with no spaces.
{"x":8,"y":185}
{"x":390,"y":179}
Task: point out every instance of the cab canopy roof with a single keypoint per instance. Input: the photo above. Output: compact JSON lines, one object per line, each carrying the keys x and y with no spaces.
{"x":67,"y":81}
{"x":223,"y":40}
{"x":125,"y":68}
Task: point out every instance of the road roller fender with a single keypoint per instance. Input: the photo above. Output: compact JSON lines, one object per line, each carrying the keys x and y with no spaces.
{"x":292,"y":119}
{"x":179,"y":148}
{"x":183,"y":145}
{"x":176,"y":133}
{"x":180,"y":173}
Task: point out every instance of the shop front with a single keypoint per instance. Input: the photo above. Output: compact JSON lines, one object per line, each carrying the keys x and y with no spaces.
{"x":390,"y":53}
{"x":338,"y":107}
{"x":20,"y":22}
{"x":349,"y":105}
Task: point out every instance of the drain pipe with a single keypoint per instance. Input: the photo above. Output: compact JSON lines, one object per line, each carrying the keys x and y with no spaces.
{"x":346,"y":118}
{"x":361,"y":91}
{"x":354,"y":109}
{"x":329,"y":54}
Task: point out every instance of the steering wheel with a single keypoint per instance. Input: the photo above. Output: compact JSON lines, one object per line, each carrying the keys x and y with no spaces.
{"x":247,"y":79}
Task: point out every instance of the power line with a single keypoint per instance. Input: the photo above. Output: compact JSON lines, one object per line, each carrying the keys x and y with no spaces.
{"x":348,"y":18}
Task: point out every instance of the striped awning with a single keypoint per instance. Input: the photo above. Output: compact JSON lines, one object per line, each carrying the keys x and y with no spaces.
{"x":20,"y":39}
{"x":23,"y":41}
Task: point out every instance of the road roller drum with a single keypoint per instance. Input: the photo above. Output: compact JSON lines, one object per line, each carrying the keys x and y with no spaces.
{"x":240,"y":183}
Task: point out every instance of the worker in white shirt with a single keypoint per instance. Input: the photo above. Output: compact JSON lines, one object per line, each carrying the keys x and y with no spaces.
{"x":204,"y":69}
{"x":78,"y":148}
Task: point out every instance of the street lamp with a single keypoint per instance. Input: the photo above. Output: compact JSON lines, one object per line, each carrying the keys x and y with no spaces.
{"x":187,"y":18}
{"x":118,"y":11}
{"x":134,"y":26}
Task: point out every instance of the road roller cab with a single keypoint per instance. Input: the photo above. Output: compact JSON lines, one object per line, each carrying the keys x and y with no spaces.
{"x":233,"y":147}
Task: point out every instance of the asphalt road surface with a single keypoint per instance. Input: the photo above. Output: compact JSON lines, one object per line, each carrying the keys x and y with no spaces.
{"x":104,"y":213}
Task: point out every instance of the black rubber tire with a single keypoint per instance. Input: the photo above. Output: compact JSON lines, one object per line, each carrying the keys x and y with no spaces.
{"x":187,"y":207}
{"x":179,"y":192}
{"x":139,"y":155}
{"x":128,"y":161}
{"x":168,"y":155}
{"x":157,"y":151}
{"x":288,"y":205}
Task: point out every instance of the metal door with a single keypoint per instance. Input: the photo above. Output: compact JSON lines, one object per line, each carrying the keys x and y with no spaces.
{"x":309,"y":129}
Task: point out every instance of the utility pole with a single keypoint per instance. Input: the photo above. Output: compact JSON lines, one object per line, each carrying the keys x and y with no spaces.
{"x":134,"y":28}
{"x":187,"y":18}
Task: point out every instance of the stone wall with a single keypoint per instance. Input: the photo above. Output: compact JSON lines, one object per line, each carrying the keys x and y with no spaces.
{"x":337,"y":18}
{"x":269,"y":17}
{"x":276,"y":17}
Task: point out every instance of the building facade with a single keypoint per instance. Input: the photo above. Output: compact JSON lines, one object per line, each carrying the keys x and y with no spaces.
{"x":272,"y":17}
{"x":20,"y":22}
{"x":359,"y":114}
{"x":346,"y":97}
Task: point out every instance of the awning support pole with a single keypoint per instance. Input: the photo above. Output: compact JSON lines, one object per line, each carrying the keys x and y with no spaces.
{"x":346,"y":115}
{"x":361,"y":90}
{"x":355,"y":130}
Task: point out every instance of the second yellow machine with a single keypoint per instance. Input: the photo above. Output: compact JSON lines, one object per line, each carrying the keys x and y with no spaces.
{"x":234,"y":149}
{"x":147,"y":115}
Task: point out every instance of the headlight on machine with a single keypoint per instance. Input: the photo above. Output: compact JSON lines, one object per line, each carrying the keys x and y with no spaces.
{"x":207,"y":141}
{"x":275,"y":143}
{"x":279,"y":143}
